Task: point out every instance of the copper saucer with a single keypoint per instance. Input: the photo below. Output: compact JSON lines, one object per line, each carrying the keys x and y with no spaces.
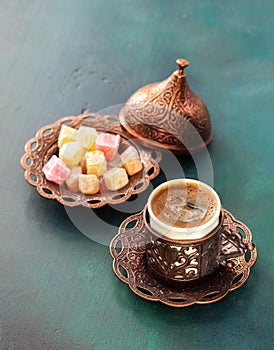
{"x":39,"y":149}
{"x":129,"y":264}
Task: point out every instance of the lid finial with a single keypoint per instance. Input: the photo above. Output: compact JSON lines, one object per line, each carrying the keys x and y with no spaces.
{"x":182,"y":63}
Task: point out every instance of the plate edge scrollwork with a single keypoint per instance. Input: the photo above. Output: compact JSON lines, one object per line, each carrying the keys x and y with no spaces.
{"x":43,"y":145}
{"x":144,"y":285}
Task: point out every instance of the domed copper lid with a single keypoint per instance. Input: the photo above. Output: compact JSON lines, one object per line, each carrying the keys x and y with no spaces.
{"x":168,"y":114}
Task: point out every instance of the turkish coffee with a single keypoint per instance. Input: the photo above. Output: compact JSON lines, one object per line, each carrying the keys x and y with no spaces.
{"x":184,"y":205}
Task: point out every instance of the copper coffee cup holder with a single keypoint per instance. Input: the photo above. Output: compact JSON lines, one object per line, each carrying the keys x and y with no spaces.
{"x":129,"y":249}
{"x":176,"y":262}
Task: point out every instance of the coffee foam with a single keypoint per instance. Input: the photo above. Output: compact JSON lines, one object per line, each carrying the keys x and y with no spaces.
{"x":184,"y":205}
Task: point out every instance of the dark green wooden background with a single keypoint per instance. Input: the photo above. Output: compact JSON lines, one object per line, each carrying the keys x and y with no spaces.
{"x":57,"y":58}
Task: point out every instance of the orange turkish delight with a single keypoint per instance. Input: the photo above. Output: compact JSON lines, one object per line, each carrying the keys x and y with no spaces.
{"x":131,"y":161}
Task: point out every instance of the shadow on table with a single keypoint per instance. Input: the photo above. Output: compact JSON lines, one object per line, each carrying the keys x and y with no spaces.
{"x":198,"y":314}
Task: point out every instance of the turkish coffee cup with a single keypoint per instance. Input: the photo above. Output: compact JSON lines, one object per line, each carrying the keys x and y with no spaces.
{"x":184,"y":221}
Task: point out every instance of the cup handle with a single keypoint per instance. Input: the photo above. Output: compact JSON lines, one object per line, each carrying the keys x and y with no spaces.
{"x":233,"y":246}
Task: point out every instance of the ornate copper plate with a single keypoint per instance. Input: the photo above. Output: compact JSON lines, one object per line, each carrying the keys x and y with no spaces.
{"x":128,"y":250}
{"x":40,"y":148}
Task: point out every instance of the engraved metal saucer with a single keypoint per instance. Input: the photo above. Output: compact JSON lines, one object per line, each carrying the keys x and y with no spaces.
{"x":39,"y":150}
{"x":128,"y":249}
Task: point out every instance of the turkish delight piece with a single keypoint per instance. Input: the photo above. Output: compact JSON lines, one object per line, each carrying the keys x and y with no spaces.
{"x":86,"y":137}
{"x":116,"y":162}
{"x":109,"y":144}
{"x":73,"y":179}
{"x":88,"y":184}
{"x":133,"y":166}
{"x":102,"y":185}
{"x":71,"y":153}
{"x":95,"y":163}
{"x":131,"y":161}
{"x":66,"y":134}
{"x":115,"y":179}
{"x":56,"y":170}
{"x":129,"y":154}
{"x":83,"y":165}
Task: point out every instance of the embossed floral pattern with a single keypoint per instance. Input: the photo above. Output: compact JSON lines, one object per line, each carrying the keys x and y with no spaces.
{"x":133,"y":261}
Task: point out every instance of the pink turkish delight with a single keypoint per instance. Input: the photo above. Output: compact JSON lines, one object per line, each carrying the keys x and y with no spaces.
{"x":109,"y":144}
{"x":56,"y":170}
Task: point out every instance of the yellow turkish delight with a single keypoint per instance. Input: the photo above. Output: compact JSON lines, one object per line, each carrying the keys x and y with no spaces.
{"x":71,"y":153}
{"x":131,"y":161}
{"x":133,"y":166}
{"x":115,"y":179}
{"x":129,"y":154}
{"x":86,"y":137}
{"x":88,"y":184}
{"x":95,"y":163}
{"x":66,"y":134}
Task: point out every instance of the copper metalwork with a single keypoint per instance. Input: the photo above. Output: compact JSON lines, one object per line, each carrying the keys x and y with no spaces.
{"x":176,"y":262}
{"x":168,"y":114}
{"x":39,"y":149}
{"x":128,"y":249}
